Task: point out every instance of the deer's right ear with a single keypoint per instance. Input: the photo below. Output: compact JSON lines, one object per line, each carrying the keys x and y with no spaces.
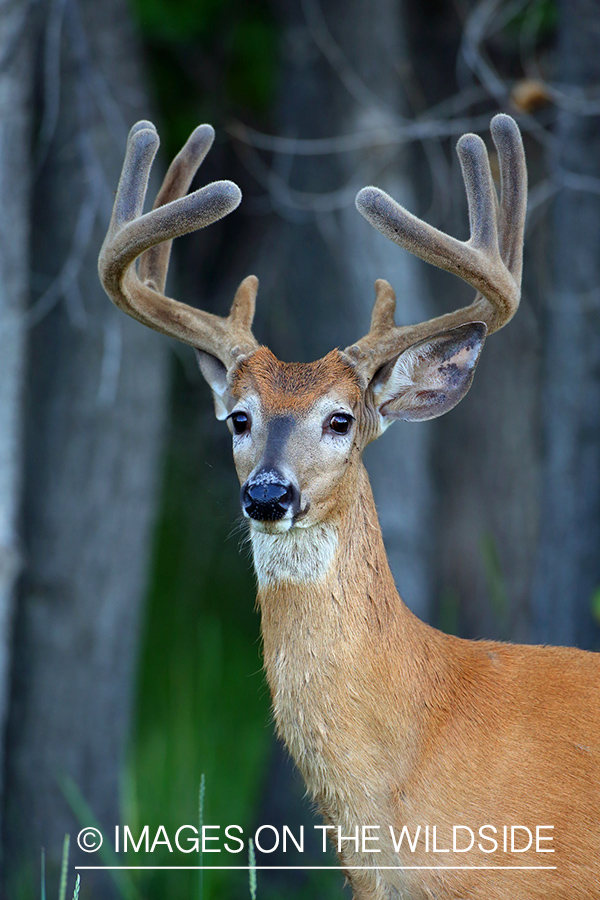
{"x":215,"y":374}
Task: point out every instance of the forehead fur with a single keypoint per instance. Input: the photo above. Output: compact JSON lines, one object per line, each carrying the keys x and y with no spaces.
{"x":295,"y":387}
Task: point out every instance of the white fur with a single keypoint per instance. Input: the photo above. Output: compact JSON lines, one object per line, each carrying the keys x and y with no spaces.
{"x":298,"y":556}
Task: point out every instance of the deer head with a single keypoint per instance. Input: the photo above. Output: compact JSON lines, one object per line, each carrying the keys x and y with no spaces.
{"x":299,"y":428}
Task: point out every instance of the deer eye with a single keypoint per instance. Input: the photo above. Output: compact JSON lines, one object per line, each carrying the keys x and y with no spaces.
{"x":340,"y":423}
{"x":240,"y":422}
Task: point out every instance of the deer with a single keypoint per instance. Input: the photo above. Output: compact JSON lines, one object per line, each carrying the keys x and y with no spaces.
{"x":442,"y":767}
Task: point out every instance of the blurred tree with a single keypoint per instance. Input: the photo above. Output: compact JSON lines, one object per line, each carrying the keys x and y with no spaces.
{"x":566,"y":596}
{"x":16,"y":56}
{"x":95,"y":415}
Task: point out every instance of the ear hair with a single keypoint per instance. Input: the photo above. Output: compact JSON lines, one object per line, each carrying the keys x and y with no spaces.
{"x":215,"y":374}
{"x":430,"y":377}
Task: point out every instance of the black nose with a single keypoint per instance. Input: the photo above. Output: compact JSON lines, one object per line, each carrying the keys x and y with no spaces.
{"x":266,"y":498}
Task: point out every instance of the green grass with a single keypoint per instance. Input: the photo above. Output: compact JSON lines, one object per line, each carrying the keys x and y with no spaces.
{"x":252,"y":870}
{"x":495,"y":583}
{"x":64,"y":874}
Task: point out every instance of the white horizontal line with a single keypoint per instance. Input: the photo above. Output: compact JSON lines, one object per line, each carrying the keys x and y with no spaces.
{"x":306,"y":868}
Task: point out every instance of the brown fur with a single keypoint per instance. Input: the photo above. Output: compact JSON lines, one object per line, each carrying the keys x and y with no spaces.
{"x":293,"y":388}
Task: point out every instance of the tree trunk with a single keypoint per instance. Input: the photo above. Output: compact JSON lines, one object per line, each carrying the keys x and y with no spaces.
{"x":96,"y":411}
{"x":568,"y":574}
{"x":15,"y":119}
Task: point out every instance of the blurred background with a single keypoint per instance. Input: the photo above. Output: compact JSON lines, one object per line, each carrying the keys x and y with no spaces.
{"x":130,"y":662}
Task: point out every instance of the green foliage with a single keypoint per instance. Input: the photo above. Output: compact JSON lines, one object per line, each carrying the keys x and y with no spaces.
{"x":177,"y":20}
{"x":449,"y":611}
{"x":207,"y":61}
{"x":595,"y":605}
{"x":495,"y":580}
{"x":539,"y":17}
{"x":252,"y":59}
{"x":448,"y":618}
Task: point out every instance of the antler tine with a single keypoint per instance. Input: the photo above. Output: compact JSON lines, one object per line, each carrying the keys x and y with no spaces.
{"x":132,"y":235}
{"x":490,"y":260}
{"x":154,"y":263}
{"x":142,"y":144}
{"x":513,"y":192}
{"x":481,"y":195}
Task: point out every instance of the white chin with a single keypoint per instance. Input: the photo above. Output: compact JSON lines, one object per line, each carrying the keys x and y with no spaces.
{"x":279,"y":527}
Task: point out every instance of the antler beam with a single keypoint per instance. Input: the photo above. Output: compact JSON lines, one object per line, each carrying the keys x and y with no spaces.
{"x":132,"y":235}
{"x":490,"y":261}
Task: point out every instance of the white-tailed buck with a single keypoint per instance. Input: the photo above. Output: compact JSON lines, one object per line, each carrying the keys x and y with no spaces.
{"x":471,"y":769}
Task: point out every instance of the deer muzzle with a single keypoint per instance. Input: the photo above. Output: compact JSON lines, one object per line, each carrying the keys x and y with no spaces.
{"x":268,"y":496}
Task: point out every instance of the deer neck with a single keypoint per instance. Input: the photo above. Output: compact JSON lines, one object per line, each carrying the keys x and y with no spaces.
{"x":330,"y":614}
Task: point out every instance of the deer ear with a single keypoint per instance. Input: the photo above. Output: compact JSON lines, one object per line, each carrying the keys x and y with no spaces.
{"x":429,"y":378}
{"x":215,"y":374}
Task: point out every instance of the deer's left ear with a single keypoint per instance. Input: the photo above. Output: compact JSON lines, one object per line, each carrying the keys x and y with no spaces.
{"x":429,"y":378}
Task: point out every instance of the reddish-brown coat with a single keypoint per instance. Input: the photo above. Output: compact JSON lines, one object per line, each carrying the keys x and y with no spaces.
{"x":294,"y":388}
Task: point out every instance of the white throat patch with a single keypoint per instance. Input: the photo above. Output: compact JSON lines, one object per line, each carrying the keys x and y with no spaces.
{"x":298,"y":556}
